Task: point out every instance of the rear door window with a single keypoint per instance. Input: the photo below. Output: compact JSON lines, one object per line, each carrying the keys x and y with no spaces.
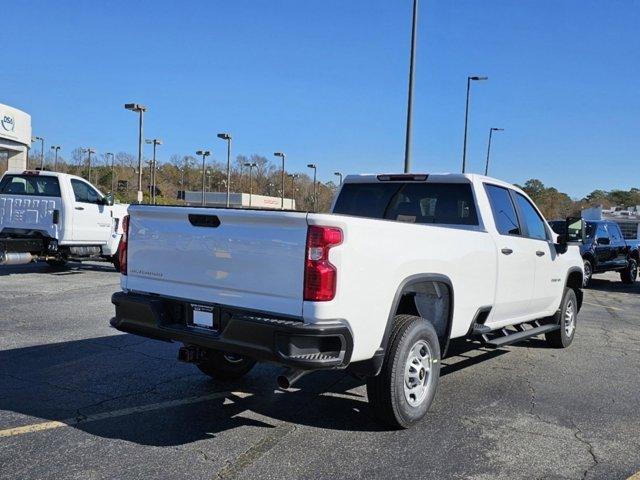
{"x":430,"y":203}
{"x":504,"y":212}
{"x":32,"y":185}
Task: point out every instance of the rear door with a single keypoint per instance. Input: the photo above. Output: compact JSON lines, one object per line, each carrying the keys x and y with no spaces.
{"x":91,"y":217}
{"x":619,"y":249}
{"x":243,"y":258}
{"x":516,"y":259}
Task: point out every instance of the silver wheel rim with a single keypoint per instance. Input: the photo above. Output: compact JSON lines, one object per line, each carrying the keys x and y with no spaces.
{"x":569,"y":318}
{"x":417,"y":373}
{"x":231,"y":358}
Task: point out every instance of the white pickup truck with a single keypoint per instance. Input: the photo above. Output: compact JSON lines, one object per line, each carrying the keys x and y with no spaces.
{"x":379,"y":287}
{"x":56,"y":217}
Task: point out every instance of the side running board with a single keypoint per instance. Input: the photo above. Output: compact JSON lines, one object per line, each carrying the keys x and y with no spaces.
{"x":504,"y":336}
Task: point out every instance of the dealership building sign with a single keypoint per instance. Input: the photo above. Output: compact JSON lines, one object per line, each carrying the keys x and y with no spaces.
{"x":15,"y":137}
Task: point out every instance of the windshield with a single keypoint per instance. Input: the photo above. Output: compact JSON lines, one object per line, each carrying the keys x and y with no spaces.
{"x":440,"y":203}
{"x":34,"y":185}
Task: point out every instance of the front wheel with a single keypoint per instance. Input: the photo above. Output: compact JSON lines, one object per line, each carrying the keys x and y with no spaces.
{"x":402,"y":392}
{"x":628,"y":275}
{"x":567,"y":318}
{"x":225,"y":366}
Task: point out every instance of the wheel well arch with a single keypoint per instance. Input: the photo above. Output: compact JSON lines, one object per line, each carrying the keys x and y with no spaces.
{"x":425,"y":295}
{"x":574,"y":282}
{"x":635,"y":254}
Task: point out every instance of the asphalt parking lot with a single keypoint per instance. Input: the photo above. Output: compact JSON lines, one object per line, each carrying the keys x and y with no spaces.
{"x":81,"y":400}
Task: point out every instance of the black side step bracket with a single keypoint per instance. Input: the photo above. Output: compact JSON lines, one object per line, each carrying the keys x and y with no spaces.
{"x":504,"y":337}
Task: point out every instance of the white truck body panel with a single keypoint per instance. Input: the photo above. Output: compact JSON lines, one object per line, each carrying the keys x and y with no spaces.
{"x":79,"y":223}
{"x":252,"y":260}
{"x":255,"y":260}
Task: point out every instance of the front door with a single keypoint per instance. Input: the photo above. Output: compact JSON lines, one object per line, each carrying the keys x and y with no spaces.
{"x":91,"y":217}
{"x":516,"y":260}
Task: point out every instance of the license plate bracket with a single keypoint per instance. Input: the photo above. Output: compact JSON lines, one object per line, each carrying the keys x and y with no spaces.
{"x":205,"y":316}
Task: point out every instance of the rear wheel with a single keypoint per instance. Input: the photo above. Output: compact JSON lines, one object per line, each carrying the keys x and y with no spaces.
{"x":629,"y":274}
{"x":402,"y":392}
{"x":225,"y":366}
{"x":588,"y":272}
{"x":567,"y":318}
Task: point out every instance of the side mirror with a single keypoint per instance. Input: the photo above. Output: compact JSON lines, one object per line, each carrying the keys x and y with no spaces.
{"x":107,"y":199}
{"x":575,"y":230}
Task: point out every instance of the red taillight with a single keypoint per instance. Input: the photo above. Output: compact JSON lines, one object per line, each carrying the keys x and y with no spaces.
{"x":122,"y":251}
{"x":319,"y":274}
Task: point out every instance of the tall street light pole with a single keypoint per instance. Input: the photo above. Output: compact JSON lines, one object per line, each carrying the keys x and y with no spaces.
{"x":55,"y":149}
{"x":155,"y":142}
{"x":251,"y":166}
{"x":140,"y":109}
{"x":293,"y":187}
{"x":227,"y":137}
{"x":339,"y":175}
{"x":204,"y":154}
{"x":407,"y":145}
{"x":466,"y":120}
{"x":491,"y":130}
{"x":315,"y":185}
{"x":41,"y":140}
{"x":89,"y":151}
{"x":113,"y":170}
{"x":281,"y":155}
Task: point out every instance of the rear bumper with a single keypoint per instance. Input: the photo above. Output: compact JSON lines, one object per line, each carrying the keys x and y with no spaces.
{"x":262,"y":336}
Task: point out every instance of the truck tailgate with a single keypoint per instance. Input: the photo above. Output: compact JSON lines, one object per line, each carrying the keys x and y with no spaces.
{"x":241,"y":258}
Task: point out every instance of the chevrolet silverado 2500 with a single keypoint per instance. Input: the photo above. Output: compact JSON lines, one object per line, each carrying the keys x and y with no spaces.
{"x":56,"y":217}
{"x":402,"y":265}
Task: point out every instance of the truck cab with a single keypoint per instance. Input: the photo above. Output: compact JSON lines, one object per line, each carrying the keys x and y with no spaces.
{"x":56,"y":217}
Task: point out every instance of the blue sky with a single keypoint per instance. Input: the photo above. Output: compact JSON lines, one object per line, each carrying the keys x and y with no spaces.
{"x":326,"y":81}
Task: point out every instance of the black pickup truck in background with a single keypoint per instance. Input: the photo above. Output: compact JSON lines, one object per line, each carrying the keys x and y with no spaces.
{"x":604,"y":249}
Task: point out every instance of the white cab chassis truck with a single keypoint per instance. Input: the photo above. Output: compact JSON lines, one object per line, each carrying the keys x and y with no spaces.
{"x":403,"y":264}
{"x":56,"y":217}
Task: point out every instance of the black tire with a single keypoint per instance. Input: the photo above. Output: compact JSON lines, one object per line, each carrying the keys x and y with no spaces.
{"x":57,"y":263}
{"x":225,"y":366}
{"x":115,"y":259}
{"x":628,"y":275}
{"x":386,"y":391}
{"x":563,"y":337}
{"x":588,"y":273}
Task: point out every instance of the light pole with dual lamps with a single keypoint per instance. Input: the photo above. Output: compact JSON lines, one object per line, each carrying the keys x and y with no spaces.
{"x":227,"y":137}
{"x":41,"y":140}
{"x":55,"y":149}
{"x":89,"y":151}
{"x":339,"y":175}
{"x":251,"y":167}
{"x":491,"y":130}
{"x":155,"y":142}
{"x":204,"y":154}
{"x":281,"y":155}
{"x":315,"y":185}
{"x":466,"y":119}
{"x":140,"y":109}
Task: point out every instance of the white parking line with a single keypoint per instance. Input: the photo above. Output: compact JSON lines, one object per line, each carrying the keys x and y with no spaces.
{"x":70,"y":422}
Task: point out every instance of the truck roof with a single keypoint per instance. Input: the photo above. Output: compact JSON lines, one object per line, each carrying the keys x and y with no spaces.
{"x":427,"y":177}
{"x":42,"y":172}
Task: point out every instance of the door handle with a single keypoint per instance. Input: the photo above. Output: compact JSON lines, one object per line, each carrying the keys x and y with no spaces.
{"x":540,"y":253}
{"x":507,"y":251}
{"x":79,"y":208}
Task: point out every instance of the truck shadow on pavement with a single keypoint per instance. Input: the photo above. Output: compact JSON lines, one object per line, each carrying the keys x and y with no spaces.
{"x":72,"y":268}
{"x":616,"y":286}
{"x":124,"y":387}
